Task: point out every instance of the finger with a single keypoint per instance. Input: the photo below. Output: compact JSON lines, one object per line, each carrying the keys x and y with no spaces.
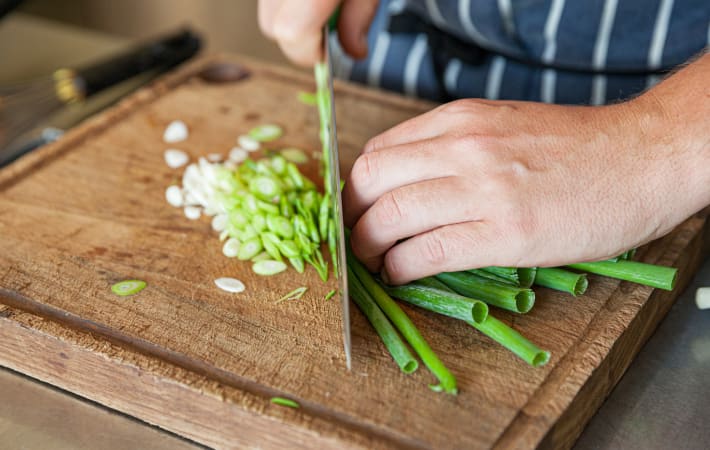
{"x":297,"y":18}
{"x":422,"y":127}
{"x":355,"y":19}
{"x":304,"y":51}
{"x":374,"y":174}
{"x":267,"y":11}
{"x":449,"y":248}
{"x":409,"y":211}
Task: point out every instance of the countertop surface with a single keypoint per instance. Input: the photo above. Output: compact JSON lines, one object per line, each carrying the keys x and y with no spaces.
{"x":661,"y":402}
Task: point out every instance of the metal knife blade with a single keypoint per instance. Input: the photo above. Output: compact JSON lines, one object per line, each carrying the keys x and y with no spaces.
{"x":337,"y":205}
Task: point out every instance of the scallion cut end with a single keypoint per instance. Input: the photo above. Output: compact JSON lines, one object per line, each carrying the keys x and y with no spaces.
{"x":479,"y":312}
{"x":525,"y":300}
{"x":128,"y":287}
{"x":541,"y":358}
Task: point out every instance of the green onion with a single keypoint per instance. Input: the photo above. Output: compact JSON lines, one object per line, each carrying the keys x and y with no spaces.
{"x":330,"y":294}
{"x":128,"y":287}
{"x":500,"y":332}
{"x":285,"y":402}
{"x":307,"y":98}
{"x":647,"y":274}
{"x":264,"y":187}
{"x":562,"y":280}
{"x":404,"y":325}
{"x":513,"y":341}
{"x":519,"y":276}
{"x":280,"y":225}
{"x":268,"y":267}
{"x":399,"y":351}
{"x":505,"y":296}
{"x":249,"y":249}
{"x":265,"y":133}
{"x":271,"y":244}
{"x":293,"y":295}
{"x":295,"y":155}
{"x":298,"y":264}
{"x":491,"y":276}
{"x":440,"y":301}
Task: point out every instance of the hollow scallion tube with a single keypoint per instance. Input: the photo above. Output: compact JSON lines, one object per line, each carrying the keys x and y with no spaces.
{"x":661,"y":277}
{"x":447,"y":381}
{"x":562,"y":280}
{"x":505,"y":296}
{"x":519,"y":276}
{"x":513,"y":341}
{"x":397,"y":348}
{"x":440,"y":301}
{"x":501,"y":333}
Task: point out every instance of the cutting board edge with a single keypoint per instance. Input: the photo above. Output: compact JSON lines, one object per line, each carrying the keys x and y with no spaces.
{"x":143,"y":393}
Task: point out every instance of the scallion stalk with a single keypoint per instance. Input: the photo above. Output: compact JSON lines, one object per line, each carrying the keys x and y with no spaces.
{"x":393,"y":342}
{"x":505,"y":296}
{"x":441,"y":302}
{"x":447,"y":381}
{"x":513,"y":341}
{"x":661,"y":277}
{"x":562,"y":280}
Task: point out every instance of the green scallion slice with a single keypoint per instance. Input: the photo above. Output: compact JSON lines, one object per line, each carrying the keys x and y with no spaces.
{"x":266,"y":133}
{"x":128,"y":287}
{"x":285,"y":402}
{"x":269,"y":267}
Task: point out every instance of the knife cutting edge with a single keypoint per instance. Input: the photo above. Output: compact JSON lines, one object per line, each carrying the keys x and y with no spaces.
{"x":324,"y":80}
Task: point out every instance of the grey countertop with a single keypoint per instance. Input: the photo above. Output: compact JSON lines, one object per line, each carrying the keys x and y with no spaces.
{"x":661,"y":402}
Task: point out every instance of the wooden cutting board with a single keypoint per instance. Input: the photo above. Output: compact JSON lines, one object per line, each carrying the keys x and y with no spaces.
{"x":89,"y":210}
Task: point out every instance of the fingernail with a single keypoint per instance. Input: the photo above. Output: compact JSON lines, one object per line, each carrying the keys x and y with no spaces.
{"x":385,"y":276}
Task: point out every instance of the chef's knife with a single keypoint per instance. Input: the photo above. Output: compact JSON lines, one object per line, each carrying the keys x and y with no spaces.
{"x":333,"y":182}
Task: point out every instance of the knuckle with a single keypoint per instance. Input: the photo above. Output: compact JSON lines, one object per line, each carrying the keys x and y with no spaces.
{"x":433,"y":248}
{"x":389,"y":209}
{"x":364,"y":171}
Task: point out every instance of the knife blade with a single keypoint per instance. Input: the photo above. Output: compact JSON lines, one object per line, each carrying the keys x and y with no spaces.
{"x":333,"y":183}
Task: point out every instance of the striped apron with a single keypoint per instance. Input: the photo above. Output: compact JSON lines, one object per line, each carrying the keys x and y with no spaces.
{"x":555,"y":51}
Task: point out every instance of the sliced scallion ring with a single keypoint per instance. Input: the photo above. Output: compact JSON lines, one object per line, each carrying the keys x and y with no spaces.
{"x":128,"y":287}
{"x":269,"y":267}
{"x":266,"y":133}
{"x":230,"y":285}
{"x":295,"y":155}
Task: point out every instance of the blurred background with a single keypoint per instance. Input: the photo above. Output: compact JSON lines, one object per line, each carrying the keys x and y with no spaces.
{"x":41,"y":35}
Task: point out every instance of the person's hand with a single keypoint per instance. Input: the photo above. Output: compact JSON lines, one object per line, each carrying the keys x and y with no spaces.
{"x":482,"y":183}
{"x":297,"y":26}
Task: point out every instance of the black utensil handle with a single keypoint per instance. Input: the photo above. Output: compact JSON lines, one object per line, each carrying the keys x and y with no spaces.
{"x":8,"y":5}
{"x":162,"y":54}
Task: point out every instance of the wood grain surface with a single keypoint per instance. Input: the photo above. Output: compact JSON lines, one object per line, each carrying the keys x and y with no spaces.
{"x":89,"y":210}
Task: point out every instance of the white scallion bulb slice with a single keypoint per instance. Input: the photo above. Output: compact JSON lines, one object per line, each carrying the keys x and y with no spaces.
{"x":214,"y":157}
{"x":128,"y":287}
{"x":175,"y":158}
{"x":266,"y":133}
{"x":176,"y":131}
{"x":219,"y":222}
{"x":238,"y":155}
{"x":248,"y":143}
{"x":193,"y":212}
{"x":230,"y":249}
{"x":230,"y":285}
{"x":269,"y":267}
{"x":173,"y":195}
{"x":702,"y":298}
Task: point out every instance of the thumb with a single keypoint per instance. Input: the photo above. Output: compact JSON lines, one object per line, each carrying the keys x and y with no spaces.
{"x":355,"y":19}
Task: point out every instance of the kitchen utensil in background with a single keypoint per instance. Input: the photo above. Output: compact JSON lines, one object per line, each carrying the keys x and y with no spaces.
{"x":24,"y":105}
